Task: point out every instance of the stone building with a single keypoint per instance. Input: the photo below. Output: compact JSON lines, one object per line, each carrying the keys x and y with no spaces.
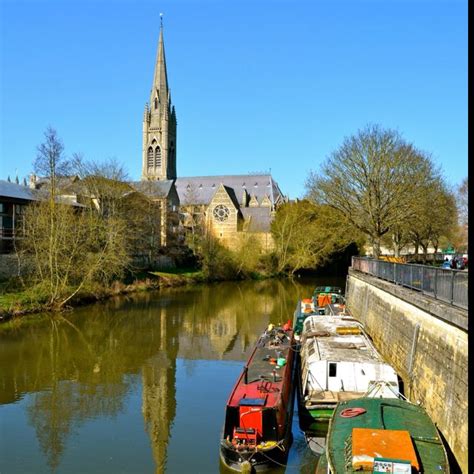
{"x":227,"y":206}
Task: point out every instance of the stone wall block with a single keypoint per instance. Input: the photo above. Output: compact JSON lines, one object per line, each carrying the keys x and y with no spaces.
{"x":434,"y":366}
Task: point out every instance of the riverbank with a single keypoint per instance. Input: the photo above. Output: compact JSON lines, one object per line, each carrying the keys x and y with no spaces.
{"x":22,"y":302}
{"x":15,"y":304}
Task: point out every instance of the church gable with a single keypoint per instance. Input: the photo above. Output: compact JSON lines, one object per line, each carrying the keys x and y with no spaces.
{"x":253,"y":201}
{"x":223,"y":212}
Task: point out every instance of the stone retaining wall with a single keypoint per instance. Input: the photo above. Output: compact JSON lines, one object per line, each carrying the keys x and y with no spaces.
{"x":429,"y":353}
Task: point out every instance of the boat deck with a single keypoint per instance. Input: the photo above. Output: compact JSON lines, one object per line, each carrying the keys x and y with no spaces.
{"x":330,"y":396}
{"x":264,"y":378}
{"x":385,"y":414}
{"x":339,"y":339}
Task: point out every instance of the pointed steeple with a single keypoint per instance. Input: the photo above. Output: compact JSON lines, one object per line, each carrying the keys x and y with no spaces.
{"x":159,"y":88}
{"x":159,"y":124}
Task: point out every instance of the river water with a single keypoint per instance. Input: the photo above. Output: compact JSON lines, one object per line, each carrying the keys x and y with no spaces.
{"x":137,"y":384}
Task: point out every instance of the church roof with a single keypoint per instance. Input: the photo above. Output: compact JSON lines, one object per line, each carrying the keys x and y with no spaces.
{"x":201,"y":189}
{"x":153,"y":189}
{"x":259,"y":218}
{"x":230,"y":192}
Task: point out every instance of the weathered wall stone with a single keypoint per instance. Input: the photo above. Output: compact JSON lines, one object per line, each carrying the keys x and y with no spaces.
{"x":429,"y":353}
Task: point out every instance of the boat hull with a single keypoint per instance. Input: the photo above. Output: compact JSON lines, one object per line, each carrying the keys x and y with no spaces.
{"x":314,"y":421}
{"x":259,"y":460}
{"x":274,"y":425}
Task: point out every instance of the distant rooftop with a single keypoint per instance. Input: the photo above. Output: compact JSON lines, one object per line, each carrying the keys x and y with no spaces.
{"x":17,"y":191}
{"x":201,"y":189}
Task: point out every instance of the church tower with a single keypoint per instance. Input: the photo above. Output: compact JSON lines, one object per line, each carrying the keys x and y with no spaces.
{"x":159,"y":125}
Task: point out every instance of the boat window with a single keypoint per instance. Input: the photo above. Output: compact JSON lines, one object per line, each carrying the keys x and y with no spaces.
{"x":332,"y":369}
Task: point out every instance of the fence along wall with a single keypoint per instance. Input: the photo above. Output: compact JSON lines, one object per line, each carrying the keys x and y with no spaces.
{"x":429,"y":354}
{"x":450,"y":286}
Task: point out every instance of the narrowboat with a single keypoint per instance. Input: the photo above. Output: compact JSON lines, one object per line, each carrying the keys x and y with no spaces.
{"x":337,"y":362}
{"x":325,"y":300}
{"x":257,"y":429}
{"x":379,"y":435}
{"x":324,"y":295}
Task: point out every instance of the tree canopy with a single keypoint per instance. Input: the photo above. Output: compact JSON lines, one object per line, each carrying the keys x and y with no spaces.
{"x":307,"y":234}
{"x":377,"y":182}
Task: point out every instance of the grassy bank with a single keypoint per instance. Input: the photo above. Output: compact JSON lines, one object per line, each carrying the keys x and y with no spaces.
{"x":20,"y":302}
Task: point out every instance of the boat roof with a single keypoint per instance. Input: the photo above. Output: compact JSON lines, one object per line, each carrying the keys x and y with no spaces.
{"x":327,"y":289}
{"x":260,"y":370}
{"x":331,"y":339}
{"x":385,"y":414}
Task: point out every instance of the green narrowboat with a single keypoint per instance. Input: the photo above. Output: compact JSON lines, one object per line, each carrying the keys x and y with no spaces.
{"x":375,"y":435}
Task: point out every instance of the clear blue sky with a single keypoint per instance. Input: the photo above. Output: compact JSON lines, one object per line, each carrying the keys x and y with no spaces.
{"x":256,"y":84}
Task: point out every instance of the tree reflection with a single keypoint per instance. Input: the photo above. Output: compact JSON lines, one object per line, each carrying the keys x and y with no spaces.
{"x":78,"y":367}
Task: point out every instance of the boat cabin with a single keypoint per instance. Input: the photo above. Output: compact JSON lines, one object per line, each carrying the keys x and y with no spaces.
{"x":338,"y":361}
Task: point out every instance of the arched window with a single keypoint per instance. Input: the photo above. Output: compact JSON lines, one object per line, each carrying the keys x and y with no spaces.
{"x":150,"y":158}
{"x":158,"y":157}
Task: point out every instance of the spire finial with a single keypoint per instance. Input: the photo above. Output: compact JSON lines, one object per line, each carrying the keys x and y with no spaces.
{"x":161,"y":20}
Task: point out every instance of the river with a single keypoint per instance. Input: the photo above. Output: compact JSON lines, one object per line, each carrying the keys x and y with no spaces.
{"x":137,"y":384}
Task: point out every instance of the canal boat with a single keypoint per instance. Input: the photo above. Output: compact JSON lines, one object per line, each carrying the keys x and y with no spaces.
{"x":379,"y":435}
{"x":257,"y":428}
{"x":325,"y":300}
{"x":324,"y":295}
{"x":337,"y":362}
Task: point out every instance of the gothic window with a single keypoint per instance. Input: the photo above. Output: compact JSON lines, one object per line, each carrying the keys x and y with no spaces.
{"x":156,"y":103}
{"x":221,"y":213}
{"x":150,"y":158}
{"x":158,"y":157}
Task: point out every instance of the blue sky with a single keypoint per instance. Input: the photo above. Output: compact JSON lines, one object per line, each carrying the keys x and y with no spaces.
{"x":257,"y":85}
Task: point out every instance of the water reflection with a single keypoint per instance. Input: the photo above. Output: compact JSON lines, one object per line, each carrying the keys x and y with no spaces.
{"x":99,"y":363}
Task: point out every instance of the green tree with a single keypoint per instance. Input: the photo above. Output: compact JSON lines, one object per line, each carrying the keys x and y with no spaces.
{"x":307,"y":234}
{"x":372,"y":179}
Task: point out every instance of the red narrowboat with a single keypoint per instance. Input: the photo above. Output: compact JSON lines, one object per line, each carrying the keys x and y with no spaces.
{"x":257,"y":428}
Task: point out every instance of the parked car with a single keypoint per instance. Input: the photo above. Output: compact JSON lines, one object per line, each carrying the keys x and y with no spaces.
{"x":446,"y":265}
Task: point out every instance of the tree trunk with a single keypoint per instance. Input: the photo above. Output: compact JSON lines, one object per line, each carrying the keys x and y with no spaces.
{"x":376,"y":247}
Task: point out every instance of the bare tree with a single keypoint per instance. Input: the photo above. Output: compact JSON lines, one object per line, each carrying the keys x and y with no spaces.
{"x":104,"y":184}
{"x":71,"y":248}
{"x":371,"y":180}
{"x":434,"y":216}
{"x":50,"y":161}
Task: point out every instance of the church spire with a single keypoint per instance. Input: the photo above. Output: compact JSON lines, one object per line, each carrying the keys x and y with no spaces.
{"x":159,"y":89}
{"x":159,"y":124}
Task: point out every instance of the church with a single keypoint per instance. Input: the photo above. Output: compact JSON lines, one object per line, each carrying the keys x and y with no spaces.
{"x":228,"y":206}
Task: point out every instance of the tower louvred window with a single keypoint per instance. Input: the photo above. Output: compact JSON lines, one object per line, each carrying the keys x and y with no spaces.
{"x":150,"y":157}
{"x":157,"y":156}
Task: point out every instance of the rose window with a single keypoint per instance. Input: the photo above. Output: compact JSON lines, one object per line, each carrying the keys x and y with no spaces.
{"x":221,"y":213}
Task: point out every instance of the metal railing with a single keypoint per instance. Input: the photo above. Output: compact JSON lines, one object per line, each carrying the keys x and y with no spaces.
{"x":450,"y":286}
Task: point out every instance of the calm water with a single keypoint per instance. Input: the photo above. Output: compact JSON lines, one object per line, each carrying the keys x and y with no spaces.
{"x":137,"y":384}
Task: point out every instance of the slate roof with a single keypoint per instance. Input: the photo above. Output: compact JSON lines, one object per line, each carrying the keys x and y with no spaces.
{"x":153,"y":189}
{"x":259,"y":218}
{"x":17,"y":191}
{"x":201,"y":189}
{"x":62,"y":182}
{"x":232,"y":196}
